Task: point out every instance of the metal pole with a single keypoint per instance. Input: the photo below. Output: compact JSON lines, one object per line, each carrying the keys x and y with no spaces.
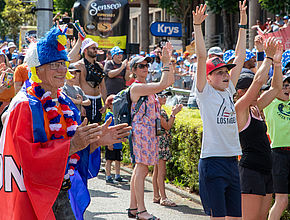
{"x":44,"y":16}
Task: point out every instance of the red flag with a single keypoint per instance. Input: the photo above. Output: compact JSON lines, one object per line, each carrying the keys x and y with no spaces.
{"x":31,"y":174}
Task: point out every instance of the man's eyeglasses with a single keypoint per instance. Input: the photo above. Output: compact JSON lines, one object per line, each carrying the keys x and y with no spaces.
{"x":285,"y":86}
{"x":57,"y":65}
{"x":142,"y":66}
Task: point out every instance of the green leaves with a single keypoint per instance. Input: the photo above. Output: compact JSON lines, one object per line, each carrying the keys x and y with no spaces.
{"x":63,"y":5}
{"x":16,"y":14}
{"x":276,"y":6}
{"x":216,"y":6}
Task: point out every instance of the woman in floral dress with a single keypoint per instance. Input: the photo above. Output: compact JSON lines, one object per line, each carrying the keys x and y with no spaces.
{"x":144,"y":138}
{"x":164,"y":152}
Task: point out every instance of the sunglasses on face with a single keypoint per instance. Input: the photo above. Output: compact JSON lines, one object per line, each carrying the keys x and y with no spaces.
{"x":162,"y":96}
{"x":142,"y":66}
{"x":285,"y":86}
{"x":57,"y":65}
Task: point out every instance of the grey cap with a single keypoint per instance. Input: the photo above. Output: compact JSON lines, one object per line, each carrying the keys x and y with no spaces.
{"x":215,"y":50}
{"x":138,"y":59}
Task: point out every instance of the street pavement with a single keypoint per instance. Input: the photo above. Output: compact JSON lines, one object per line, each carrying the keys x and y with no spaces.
{"x":110,"y":202}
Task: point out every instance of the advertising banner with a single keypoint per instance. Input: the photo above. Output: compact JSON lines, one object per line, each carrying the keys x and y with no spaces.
{"x":283,"y":35}
{"x":105,"y":21}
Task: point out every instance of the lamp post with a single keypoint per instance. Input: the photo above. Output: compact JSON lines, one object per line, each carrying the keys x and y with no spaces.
{"x":44,"y":16}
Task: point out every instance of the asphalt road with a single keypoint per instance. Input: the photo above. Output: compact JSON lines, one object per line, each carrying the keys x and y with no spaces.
{"x":111,"y":202}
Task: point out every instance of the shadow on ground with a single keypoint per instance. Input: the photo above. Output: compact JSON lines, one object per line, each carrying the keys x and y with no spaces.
{"x":187,"y":210}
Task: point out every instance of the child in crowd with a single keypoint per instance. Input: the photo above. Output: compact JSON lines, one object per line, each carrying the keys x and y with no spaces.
{"x":113,"y":152}
{"x":164,"y":151}
{"x":219,"y":182}
{"x":255,"y":165}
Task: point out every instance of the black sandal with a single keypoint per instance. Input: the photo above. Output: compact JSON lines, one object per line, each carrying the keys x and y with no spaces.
{"x":130,"y":214}
{"x":152,"y":218}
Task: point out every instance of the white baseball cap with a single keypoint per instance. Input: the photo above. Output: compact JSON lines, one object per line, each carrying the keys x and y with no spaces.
{"x":87,"y":43}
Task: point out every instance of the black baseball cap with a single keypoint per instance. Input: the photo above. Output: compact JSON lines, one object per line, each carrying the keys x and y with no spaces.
{"x":245,"y":80}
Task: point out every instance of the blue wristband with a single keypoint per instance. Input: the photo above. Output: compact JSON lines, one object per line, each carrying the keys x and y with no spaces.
{"x":260,"y":56}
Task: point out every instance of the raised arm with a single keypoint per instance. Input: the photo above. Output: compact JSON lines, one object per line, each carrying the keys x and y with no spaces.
{"x":277,"y":80}
{"x":259,"y":45}
{"x":260,"y":78}
{"x":167,"y":79}
{"x":240,"y":50}
{"x":74,"y":54}
{"x":198,"y":18}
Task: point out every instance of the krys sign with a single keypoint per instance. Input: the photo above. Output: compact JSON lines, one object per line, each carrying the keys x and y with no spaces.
{"x":166,"y":29}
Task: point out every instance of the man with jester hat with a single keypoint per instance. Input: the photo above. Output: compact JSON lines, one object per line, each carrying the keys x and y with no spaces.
{"x":44,"y":149}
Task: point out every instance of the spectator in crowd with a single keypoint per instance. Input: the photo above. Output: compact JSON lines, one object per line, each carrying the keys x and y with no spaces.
{"x":20,"y":76}
{"x":278,"y":121}
{"x":250,"y":63}
{"x":113,"y":151}
{"x":256,"y":163}
{"x":229,"y":56}
{"x":145,"y":130}
{"x":259,"y":26}
{"x":268,"y":25}
{"x":92,"y":80}
{"x":117,"y":72}
{"x":215,"y":52}
{"x":164,"y":151}
{"x":41,"y":136}
{"x":219,"y":184}
{"x":108,"y":57}
{"x":11,"y":49}
{"x":278,"y":21}
{"x":73,"y":91}
{"x":286,"y":21}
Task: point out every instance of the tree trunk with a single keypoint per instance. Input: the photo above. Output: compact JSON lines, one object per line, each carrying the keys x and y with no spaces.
{"x":228,"y":41}
{"x":184,"y":37}
{"x":144,"y":25}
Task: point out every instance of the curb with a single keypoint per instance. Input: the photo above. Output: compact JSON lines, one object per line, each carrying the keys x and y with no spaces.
{"x":180,"y":192}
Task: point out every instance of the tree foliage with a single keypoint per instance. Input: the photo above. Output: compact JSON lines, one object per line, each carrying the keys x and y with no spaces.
{"x":63,"y":5}
{"x":217,"y":6}
{"x":276,"y":6}
{"x":16,"y":14}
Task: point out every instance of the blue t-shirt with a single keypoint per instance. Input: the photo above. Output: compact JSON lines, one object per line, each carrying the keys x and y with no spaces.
{"x":110,"y":115}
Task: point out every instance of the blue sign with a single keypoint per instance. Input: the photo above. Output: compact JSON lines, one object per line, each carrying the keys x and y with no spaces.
{"x":166,"y":29}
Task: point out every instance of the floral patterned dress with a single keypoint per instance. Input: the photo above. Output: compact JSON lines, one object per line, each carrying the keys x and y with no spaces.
{"x":144,"y":139}
{"x":165,"y":140}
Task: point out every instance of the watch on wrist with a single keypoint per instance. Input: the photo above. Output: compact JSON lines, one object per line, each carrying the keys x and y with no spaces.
{"x":244,"y":26}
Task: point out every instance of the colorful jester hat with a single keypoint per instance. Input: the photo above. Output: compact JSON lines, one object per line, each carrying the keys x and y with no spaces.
{"x":47,"y":50}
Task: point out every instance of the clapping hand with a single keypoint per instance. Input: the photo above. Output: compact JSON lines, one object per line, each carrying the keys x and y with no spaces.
{"x":177,"y":108}
{"x":271,"y":46}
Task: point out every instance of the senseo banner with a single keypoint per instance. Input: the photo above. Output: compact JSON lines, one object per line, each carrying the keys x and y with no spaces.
{"x":105,"y":21}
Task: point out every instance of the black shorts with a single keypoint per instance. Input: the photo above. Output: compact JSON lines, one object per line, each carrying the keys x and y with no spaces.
{"x":92,"y":111}
{"x":115,"y":154}
{"x":281,"y":171}
{"x":255,"y":182}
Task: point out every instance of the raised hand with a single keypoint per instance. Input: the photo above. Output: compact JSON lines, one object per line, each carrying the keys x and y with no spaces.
{"x":199,"y":14}
{"x":259,"y":43}
{"x":243,"y":12}
{"x":166,"y":53}
{"x":271,"y":46}
{"x":177,"y":108}
{"x":279,"y":51}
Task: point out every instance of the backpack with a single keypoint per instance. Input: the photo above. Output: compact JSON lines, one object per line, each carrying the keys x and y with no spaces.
{"x":122,"y":107}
